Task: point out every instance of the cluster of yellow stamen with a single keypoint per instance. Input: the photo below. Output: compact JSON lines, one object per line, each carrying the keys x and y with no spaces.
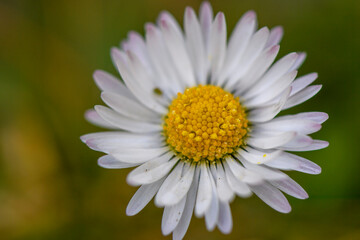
{"x":205,"y":122}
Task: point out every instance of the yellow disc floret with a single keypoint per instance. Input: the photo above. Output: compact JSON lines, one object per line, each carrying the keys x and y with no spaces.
{"x":205,"y":122}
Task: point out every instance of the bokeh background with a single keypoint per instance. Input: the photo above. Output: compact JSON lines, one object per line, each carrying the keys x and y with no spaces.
{"x":50,"y":184}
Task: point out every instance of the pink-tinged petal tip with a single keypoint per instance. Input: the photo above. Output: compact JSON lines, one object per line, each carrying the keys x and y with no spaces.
{"x":251,"y":15}
{"x":115,"y":52}
{"x":97,"y":74}
{"x":292,"y":56}
{"x":274,"y":49}
{"x":132,"y":35}
{"x":205,"y":7}
{"x":150,"y":28}
{"x":164,"y":24}
{"x":278,"y":31}
{"x":83,"y":138}
{"x":124,"y":45}
{"x":220,"y":20}
{"x":189,"y":13}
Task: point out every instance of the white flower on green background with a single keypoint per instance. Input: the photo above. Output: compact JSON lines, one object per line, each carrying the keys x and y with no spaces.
{"x":196,"y":117}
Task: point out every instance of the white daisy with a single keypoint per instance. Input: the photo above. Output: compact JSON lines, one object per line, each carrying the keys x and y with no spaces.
{"x":196,"y":117}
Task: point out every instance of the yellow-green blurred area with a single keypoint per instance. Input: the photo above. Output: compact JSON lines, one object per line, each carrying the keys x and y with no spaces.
{"x":50,"y":184}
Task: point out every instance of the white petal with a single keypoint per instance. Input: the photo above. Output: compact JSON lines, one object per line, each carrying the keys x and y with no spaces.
{"x":275,"y":37}
{"x":213,"y":172}
{"x":109,"y":83}
{"x":161,"y":59}
{"x":204,"y":195}
{"x":175,"y":175}
{"x":183,"y":225}
{"x":171,"y":217}
{"x":217,"y":45}
{"x":263,"y":171}
{"x":129,"y":107}
{"x":272,"y":197}
{"x":224,"y":191}
{"x":299,"y":141}
{"x":112,"y":141}
{"x":267,"y":113}
{"x":241,"y":35}
{"x":174,"y":41}
{"x":142,"y":197}
{"x":302,"y":96}
{"x":318,"y":117}
{"x":315,"y":145}
{"x":260,"y":65}
{"x":206,"y":19}
{"x":211,"y":215}
{"x":145,"y":80}
{"x":268,"y":142}
{"x":175,"y":188}
{"x":169,"y":18}
{"x":243,"y":174}
{"x":225,"y":222}
{"x":254,"y":48}
{"x":110,"y":162}
{"x":238,"y":42}
{"x":240,"y":188}
{"x":302,"y":82}
{"x":258,"y":157}
{"x":195,"y":44}
{"x":299,"y":61}
{"x":143,"y":95}
{"x":290,"y":187}
{"x":138,"y":155}
{"x":279,"y":69}
{"x":128,"y":62}
{"x":125,"y":123}
{"x":121,"y":137}
{"x":93,"y":117}
{"x":288,"y":161}
{"x":272,"y":91}
{"x":298,"y":125}
{"x":136,"y":44}
{"x":152,"y":170}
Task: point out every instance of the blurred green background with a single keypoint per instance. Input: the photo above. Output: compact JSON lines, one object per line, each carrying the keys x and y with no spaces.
{"x":50,"y":184}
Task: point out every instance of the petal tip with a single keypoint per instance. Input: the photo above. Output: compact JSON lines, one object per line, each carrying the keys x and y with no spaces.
{"x":220,"y":17}
{"x":131,"y":181}
{"x":150,"y":28}
{"x":317,"y":170}
{"x":100,"y":162}
{"x":98,"y":108}
{"x":302,"y":54}
{"x":206,"y":6}
{"x":274,"y":49}
{"x":325,"y":144}
{"x":133,"y":35}
{"x":83,"y":138}
{"x":278,"y":29}
{"x":114,"y":50}
{"x":129,"y":212}
{"x":251,"y":15}
{"x":293,"y":55}
{"x":325,"y":117}
{"x":97,"y":74}
{"x":287,"y":209}
{"x":189,"y":11}
{"x":164,"y":24}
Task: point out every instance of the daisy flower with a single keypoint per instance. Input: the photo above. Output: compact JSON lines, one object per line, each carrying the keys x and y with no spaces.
{"x":196,"y":116}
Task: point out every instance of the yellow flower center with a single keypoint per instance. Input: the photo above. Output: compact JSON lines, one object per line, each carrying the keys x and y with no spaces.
{"x":205,"y":123}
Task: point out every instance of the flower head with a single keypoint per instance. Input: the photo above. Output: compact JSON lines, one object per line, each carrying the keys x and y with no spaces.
{"x":197,"y":118}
